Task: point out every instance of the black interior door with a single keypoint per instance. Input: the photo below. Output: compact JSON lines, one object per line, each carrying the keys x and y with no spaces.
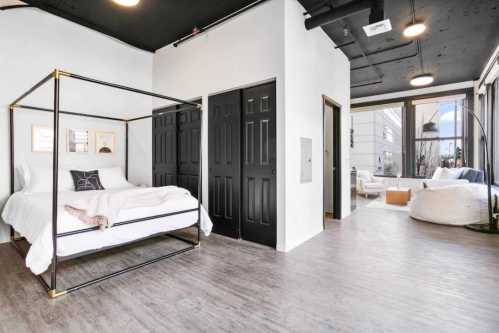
{"x":188,"y":136}
{"x":164,"y":149}
{"x":259,"y":165}
{"x":176,"y":146}
{"x":224,"y":162}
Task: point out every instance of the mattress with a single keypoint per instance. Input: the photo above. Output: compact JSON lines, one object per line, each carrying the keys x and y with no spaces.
{"x":31,"y":216}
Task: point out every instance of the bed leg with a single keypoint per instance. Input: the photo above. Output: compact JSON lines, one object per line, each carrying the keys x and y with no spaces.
{"x":56,"y":293}
{"x":198,"y":244}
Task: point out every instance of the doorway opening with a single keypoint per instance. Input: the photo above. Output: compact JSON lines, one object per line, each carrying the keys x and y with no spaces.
{"x":332,"y":159}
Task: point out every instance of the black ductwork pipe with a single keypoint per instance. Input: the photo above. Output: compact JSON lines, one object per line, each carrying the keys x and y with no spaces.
{"x":338,"y":13}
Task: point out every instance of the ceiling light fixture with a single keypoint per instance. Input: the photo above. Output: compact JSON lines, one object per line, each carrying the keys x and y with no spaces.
{"x":127,"y":3}
{"x":422,"y":80}
{"x":414,"y":29}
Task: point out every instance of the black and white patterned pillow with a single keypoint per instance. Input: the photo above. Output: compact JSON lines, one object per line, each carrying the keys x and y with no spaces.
{"x":86,"y":180}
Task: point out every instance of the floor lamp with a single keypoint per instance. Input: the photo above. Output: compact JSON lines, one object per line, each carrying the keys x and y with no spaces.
{"x":491,"y":227}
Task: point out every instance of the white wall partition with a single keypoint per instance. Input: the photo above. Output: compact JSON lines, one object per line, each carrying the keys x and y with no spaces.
{"x":242,"y":52}
{"x":313,"y":68}
{"x":270,"y":42}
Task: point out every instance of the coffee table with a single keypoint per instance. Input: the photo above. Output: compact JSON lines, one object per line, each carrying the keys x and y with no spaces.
{"x":398,"y":195}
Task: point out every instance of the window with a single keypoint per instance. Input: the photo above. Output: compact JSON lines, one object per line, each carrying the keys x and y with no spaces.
{"x":495,"y":133}
{"x":377,"y":134}
{"x":438,"y":136}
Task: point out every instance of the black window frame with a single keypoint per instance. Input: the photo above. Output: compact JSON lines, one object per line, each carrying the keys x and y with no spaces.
{"x":409,"y":125}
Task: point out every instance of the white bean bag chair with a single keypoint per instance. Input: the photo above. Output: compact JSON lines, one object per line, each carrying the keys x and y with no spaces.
{"x":452,"y":205}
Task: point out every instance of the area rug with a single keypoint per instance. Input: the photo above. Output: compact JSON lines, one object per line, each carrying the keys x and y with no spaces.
{"x":381,"y":204}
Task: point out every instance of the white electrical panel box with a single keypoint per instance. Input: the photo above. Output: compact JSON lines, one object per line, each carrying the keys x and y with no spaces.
{"x":306,"y":160}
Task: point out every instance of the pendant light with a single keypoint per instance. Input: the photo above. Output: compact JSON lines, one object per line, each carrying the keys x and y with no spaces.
{"x":422,"y":80}
{"x":127,"y":3}
{"x":414,"y":29}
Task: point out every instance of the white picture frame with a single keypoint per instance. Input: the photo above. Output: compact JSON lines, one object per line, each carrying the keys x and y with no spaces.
{"x":42,"y":139}
{"x":77,"y":140}
{"x":105,"y":142}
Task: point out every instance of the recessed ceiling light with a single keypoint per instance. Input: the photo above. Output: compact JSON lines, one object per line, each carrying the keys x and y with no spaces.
{"x":422,"y":80}
{"x":414,"y":29}
{"x":127,"y":3}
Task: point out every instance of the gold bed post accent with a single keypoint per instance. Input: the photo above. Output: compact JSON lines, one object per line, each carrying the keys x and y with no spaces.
{"x":56,"y":293}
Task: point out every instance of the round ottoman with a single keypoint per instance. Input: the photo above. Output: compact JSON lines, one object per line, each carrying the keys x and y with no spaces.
{"x":453,"y":205}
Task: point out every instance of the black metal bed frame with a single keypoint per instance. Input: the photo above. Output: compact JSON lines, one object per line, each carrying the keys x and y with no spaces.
{"x":56,"y":75}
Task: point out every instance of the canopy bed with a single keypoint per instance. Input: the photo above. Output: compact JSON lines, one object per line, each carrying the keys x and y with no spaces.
{"x":56,"y":236}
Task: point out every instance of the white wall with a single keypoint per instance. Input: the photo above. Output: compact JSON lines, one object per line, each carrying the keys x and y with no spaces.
{"x":242,"y":52}
{"x":312,"y":68}
{"x":252,"y":48}
{"x":33,"y":43}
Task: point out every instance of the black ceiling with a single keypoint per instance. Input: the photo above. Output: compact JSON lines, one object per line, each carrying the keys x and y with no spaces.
{"x":461,"y":35}
{"x":150,"y":25}
{"x":460,"y":38}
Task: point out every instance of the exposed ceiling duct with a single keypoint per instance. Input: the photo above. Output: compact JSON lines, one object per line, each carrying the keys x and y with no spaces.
{"x":346,"y":10}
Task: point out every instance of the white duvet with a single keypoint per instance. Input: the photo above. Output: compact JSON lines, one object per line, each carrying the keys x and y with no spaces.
{"x":31,"y":216}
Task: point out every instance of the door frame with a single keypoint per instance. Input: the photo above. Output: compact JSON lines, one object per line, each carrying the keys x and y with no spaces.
{"x":337,"y":197}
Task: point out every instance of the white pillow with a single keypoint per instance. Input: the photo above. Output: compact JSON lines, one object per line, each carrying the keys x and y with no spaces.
{"x":446,"y":173}
{"x":113,"y":178}
{"x":23,"y":175}
{"x":437,"y":174}
{"x":40,"y":180}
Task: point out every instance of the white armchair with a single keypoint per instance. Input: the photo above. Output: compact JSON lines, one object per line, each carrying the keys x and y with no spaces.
{"x":366,"y":184}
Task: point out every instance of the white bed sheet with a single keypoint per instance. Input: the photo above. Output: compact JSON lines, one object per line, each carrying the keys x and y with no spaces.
{"x":30,"y":215}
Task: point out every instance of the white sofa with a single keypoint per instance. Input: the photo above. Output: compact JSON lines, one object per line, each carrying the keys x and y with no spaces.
{"x":456,"y":205}
{"x":442,"y":177}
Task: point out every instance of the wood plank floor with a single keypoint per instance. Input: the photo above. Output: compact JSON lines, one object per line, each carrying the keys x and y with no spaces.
{"x":377,"y":271}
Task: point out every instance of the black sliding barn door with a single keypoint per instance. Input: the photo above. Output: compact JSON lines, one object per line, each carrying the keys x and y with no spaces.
{"x":224,"y":162}
{"x":176,"y":147}
{"x":259,"y":165}
{"x":164,"y":149}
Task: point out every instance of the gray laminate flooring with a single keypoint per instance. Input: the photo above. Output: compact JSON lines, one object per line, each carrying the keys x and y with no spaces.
{"x":377,"y":271}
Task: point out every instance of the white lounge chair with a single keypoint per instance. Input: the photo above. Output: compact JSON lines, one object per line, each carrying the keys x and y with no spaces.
{"x":367,"y":185}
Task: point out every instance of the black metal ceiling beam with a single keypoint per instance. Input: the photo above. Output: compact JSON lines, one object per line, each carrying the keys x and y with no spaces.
{"x":319,"y":7}
{"x":367,"y":83}
{"x":339,"y":46}
{"x":379,"y":75}
{"x":385,"y":62}
{"x":386,"y":49}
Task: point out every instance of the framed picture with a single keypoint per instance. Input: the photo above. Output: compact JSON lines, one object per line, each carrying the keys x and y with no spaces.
{"x":77,"y":141}
{"x":104,"y":142}
{"x":42,"y":139}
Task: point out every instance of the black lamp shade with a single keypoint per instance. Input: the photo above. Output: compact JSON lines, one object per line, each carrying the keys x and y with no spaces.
{"x":430,"y":127}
